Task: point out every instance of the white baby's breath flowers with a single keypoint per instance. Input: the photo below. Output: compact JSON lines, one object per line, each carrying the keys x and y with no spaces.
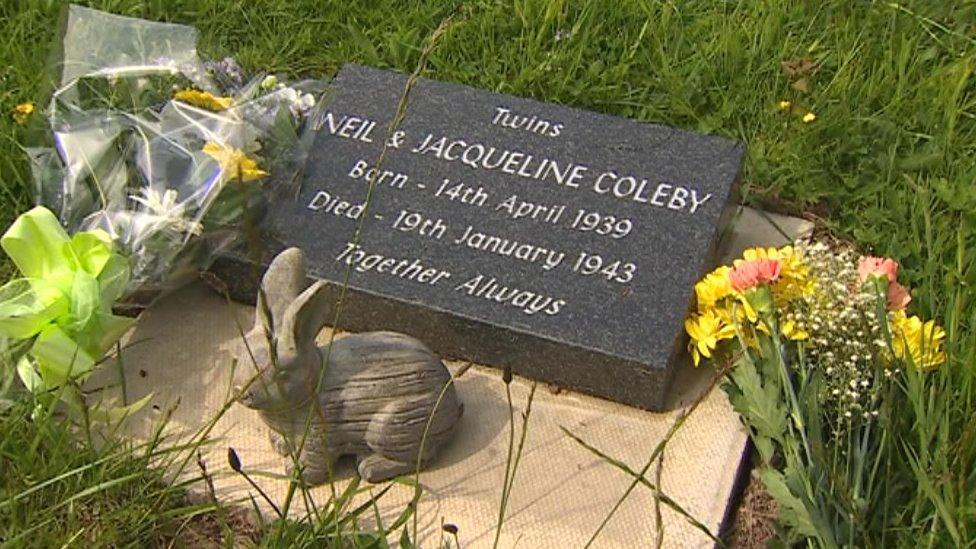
{"x":839,"y":317}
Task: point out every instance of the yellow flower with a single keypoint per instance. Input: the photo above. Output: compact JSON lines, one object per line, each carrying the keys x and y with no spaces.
{"x":204,"y":100}
{"x":917,"y":340}
{"x":22,"y":112}
{"x":715,"y":287}
{"x":791,"y":331}
{"x":706,"y":330}
{"x":234,"y":163}
{"x":784,"y":105}
{"x":809,"y":117}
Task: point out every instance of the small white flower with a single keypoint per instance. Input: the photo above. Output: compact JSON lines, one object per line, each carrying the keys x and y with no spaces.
{"x":167,"y":210}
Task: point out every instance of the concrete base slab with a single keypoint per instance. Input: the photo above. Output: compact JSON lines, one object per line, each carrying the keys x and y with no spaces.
{"x":180,"y":354}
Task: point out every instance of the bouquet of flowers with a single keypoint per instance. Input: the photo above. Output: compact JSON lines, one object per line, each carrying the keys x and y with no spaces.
{"x":149,"y":163}
{"x":822,"y":352}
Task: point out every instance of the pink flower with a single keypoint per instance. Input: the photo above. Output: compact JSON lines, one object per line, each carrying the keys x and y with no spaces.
{"x":881,"y":267}
{"x":898,"y":296}
{"x":749,"y":274}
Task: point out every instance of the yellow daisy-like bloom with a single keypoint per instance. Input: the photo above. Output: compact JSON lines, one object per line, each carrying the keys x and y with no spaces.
{"x":921,"y":341}
{"x":234,"y":163}
{"x":715,"y":287}
{"x":204,"y":100}
{"x":22,"y":113}
{"x":706,"y":330}
{"x":784,"y":105}
{"x":791,"y":331}
{"x":809,"y":117}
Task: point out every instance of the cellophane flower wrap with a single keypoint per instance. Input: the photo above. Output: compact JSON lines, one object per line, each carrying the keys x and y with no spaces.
{"x":173,"y":157}
{"x":154,"y":157}
{"x":820,"y":353}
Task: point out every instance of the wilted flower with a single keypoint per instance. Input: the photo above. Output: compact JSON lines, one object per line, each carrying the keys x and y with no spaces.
{"x":234,"y":163}
{"x":227,"y":72}
{"x":204,"y":100}
{"x":898,"y":297}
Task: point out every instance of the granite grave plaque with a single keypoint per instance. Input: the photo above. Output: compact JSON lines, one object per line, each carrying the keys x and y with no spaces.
{"x":511,"y":232}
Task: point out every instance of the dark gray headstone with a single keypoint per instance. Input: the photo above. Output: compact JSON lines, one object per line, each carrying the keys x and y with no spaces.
{"x":507,"y":231}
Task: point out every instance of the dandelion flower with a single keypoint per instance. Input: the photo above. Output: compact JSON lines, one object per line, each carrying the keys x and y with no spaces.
{"x":234,"y":163}
{"x":204,"y":100}
{"x":809,"y":117}
{"x":784,"y":105}
{"x":23,"y":112}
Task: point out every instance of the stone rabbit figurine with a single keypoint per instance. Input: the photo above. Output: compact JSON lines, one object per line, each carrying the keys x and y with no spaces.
{"x":378,"y":394}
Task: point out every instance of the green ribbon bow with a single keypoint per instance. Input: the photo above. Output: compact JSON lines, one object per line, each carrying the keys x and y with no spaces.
{"x":62,"y":307}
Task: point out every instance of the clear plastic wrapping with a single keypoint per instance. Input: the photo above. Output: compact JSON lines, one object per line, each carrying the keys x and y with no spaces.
{"x":170,"y":155}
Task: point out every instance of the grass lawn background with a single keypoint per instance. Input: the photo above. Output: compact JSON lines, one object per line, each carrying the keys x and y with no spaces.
{"x":888,"y":161}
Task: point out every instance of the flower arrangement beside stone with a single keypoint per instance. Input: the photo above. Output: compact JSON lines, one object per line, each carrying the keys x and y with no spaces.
{"x":821,"y":355}
{"x":186,"y":155}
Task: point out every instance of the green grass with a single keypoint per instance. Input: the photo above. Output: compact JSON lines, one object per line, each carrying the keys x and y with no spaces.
{"x":887,"y":163}
{"x":57,"y":490}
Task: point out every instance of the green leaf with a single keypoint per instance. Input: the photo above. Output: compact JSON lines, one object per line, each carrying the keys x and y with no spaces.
{"x":793,"y":513}
{"x":116,"y":414}
{"x":758,"y":403}
{"x":363,"y":44}
{"x":405,"y":542}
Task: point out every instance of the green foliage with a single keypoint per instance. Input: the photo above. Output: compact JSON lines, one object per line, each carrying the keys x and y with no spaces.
{"x":54,"y":487}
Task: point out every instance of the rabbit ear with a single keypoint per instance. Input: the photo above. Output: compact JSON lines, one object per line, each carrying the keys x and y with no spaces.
{"x":303,"y":319}
{"x":280,"y":286}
